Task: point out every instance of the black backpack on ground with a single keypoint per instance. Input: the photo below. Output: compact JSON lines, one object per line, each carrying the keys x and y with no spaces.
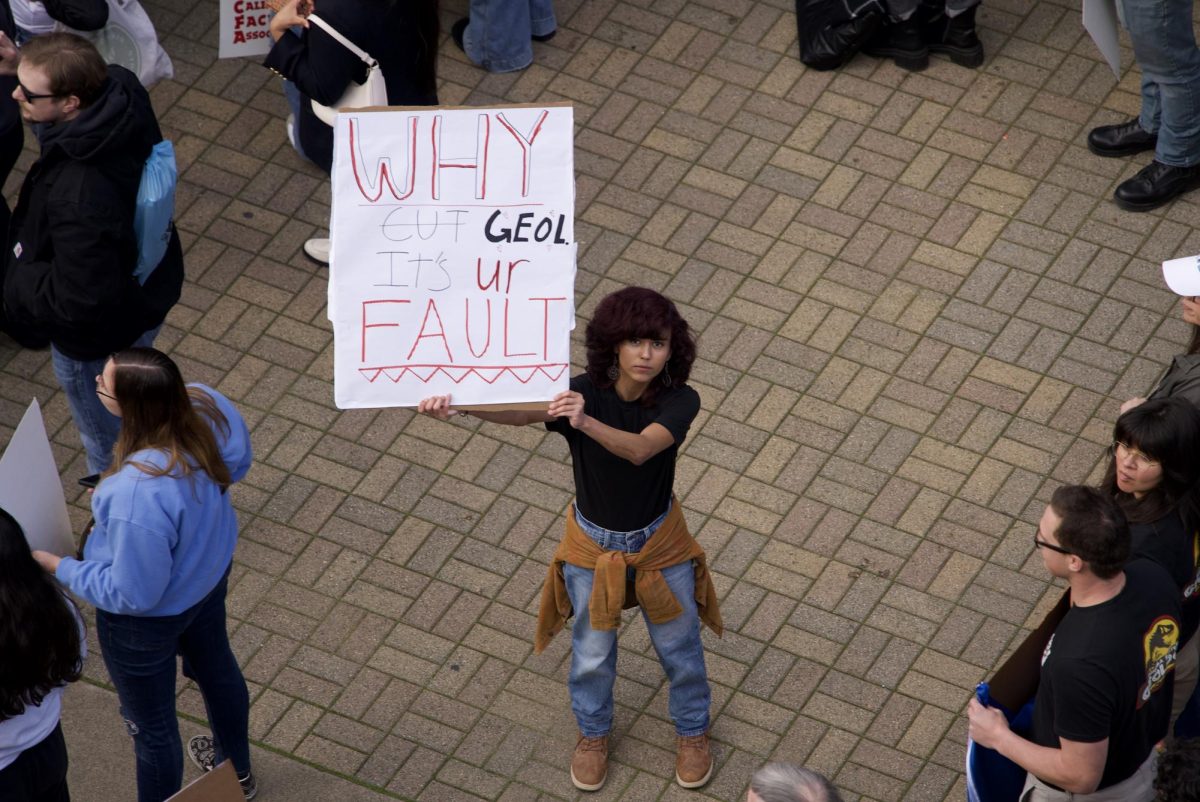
{"x":832,"y":31}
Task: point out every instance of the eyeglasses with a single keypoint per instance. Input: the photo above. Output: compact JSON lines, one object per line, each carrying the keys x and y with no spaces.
{"x":1140,"y":459}
{"x":32,"y":96}
{"x":101,"y":389}
{"x":1038,"y":543}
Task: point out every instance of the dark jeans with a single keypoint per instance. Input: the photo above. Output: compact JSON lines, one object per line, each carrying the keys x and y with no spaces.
{"x":139,"y":652}
{"x":39,"y":774}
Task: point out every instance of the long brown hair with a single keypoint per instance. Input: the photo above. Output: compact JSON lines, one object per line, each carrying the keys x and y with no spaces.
{"x":158,"y":411}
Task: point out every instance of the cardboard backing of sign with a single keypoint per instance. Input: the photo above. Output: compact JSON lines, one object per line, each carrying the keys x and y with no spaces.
{"x":219,"y":785}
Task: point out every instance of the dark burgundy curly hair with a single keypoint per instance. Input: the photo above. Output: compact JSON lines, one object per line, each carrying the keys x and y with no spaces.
{"x":637,"y":312}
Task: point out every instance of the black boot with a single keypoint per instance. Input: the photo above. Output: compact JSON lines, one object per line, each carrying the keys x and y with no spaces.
{"x":955,"y":36}
{"x":1121,"y":139}
{"x":1156,"y":184}
{"x":900,"y":41}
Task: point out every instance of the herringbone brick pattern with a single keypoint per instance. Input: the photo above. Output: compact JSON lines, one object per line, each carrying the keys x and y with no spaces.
{"x":919,"y":311}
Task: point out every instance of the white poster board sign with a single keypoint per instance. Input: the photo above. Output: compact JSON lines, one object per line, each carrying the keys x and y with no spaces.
{"x":452,"y":268}
{"x":244,"y":28}
{"x":30,"y":488}
{"x":1100,"y":21}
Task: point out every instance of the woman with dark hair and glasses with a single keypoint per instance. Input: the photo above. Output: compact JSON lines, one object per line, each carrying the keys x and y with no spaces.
{"x":156,"y":564}
{"x":624,"y":419}
{"x":41,"y":650}
{"x":1153,"y":474}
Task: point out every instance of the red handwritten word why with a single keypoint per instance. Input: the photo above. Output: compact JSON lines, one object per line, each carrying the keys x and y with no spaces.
{"x":374,"y":174}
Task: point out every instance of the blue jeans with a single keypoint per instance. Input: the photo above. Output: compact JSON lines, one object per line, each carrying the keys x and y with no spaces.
{"x":98,"y":428}
{"x":139,"y":652}
{"x":1165,"y":49}
{"x":294,"y":99}
{"x":498,"y":38}
{"x":677,"y":642}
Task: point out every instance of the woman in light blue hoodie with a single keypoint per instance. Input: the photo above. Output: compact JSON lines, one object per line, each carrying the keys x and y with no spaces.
{"x":156,"y":564}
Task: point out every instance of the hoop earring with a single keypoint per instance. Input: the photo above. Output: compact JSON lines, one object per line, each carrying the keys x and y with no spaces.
{"x":613,"y":372}
{"x":666,"y":377}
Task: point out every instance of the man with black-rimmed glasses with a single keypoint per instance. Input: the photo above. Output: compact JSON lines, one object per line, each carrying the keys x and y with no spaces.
{"x":1104,"y":696}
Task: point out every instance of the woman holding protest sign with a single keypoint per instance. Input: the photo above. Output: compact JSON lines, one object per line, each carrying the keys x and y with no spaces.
{"x":318,"y":68}
{"x":624,"y":419}
{"x":41,"y":650}
{"x":157,"y":563}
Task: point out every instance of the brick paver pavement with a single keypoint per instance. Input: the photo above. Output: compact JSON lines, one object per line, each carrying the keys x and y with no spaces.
{"x":919,"y":310}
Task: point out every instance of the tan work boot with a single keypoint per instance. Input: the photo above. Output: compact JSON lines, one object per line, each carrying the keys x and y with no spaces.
{"x":589,"y":764}
{"x":693,"y":760}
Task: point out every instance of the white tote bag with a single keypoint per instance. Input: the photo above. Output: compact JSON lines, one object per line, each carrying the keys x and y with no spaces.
{"x":129,"y":39}
{"x":373,"y":92}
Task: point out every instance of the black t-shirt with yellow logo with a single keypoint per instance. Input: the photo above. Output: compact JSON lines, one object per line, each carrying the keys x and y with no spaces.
{"x":1108,"y":672}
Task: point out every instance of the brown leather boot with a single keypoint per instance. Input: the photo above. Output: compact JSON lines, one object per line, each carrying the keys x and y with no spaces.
{"x":693,"y":760}
{"x":589,"y":764}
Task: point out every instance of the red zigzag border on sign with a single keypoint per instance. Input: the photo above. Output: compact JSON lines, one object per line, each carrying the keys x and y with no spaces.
{"x":458,"y":373}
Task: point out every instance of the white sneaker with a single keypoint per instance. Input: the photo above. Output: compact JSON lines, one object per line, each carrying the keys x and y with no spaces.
{"x":291,"y":130}
{"x":317,"y":249}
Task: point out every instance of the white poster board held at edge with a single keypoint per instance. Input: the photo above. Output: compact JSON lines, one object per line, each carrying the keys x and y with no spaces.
{"x":1100,"y":21}
{"x":244,"y":28}
{"x":452,"y":267}
{"x":30,"y":489}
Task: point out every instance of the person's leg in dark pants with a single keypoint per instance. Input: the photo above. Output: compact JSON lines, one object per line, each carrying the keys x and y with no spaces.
{"x":209,"y":661}
{"x":139,"y":653}
{"x":39,"y":774}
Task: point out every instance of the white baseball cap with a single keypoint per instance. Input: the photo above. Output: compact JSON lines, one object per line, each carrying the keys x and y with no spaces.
{"x":1183,"y":275}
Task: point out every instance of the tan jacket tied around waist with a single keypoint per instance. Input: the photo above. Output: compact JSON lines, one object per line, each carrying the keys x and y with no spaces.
{"x":670,"y":545}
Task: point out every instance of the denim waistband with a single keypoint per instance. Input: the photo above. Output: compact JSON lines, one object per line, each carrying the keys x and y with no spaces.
{"x":628,"y":542}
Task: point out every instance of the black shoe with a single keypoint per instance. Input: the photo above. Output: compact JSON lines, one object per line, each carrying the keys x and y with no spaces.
{"x":1121,"y":139}
{"x":546,"y":37}
{"x":900,"y":41}
{"x":1156,"y":184}
{"x":456,"y":32}
{"x":955,"y":36}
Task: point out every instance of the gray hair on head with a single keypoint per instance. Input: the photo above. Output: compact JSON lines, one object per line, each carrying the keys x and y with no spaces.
{"x":785,"y":782}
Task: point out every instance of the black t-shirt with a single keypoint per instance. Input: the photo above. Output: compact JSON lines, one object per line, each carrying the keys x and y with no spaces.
{"x":1106,"y":672}
{"x":612,"y":492}
{"x":1169,"y":544}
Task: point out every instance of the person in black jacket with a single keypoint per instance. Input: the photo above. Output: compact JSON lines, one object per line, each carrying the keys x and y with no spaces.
{"x":402,"y":36}
{"x":71,"y":248}
{"x":20,"y":20}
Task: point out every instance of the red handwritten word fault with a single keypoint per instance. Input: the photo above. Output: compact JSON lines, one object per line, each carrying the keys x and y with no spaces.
{"x":432,"y":328}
